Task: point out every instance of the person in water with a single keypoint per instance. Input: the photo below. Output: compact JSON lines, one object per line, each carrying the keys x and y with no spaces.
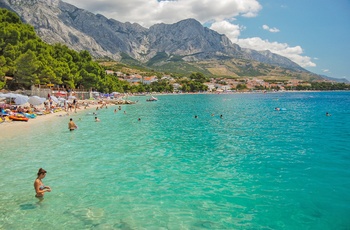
{"x":39,"y":187}
{"x":72,"y":125}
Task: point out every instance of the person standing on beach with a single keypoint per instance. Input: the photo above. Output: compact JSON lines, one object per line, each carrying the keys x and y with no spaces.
{"x":75,"y":105}
{"x":72,"y":125}
{"x":39,"y":187}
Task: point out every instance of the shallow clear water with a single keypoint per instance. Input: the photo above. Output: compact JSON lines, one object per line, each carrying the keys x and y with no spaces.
{"x":255,"y":168}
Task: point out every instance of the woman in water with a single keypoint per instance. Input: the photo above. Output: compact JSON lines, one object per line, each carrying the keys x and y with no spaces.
{"x":39,"y":187}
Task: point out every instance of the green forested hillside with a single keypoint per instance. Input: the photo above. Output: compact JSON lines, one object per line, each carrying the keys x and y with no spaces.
{"x":26,"y":60}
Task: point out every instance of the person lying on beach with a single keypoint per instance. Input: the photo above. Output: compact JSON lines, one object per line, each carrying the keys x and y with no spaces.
{"x":72,"y":125}
{"x":39,"y":187}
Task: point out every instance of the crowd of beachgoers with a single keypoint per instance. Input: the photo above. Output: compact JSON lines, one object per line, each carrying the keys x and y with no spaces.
{"x":18,"y":108}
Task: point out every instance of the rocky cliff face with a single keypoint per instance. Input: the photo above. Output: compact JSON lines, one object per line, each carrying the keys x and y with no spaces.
{"x":59,"y":22}
{"x":190,"y":39}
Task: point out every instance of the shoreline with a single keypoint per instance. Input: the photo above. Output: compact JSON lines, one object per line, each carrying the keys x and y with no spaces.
{"x":13,"y":128}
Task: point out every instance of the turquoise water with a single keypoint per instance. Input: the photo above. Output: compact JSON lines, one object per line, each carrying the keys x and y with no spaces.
{"x":255,"y":168}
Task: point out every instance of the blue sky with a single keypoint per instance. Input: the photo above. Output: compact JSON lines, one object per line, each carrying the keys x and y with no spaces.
{"x":313,"y":33}
{"x":321,"y":28}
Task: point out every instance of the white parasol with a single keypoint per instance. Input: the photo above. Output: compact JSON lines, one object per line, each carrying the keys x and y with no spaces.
{"x":55,"y":99}
{"x":21,"y":99}
{"x":35,"y":100}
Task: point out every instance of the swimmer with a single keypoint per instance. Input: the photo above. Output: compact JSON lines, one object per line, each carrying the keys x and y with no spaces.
{"x":72,"y":125}
{"x":39,"y":187}
{"x":139,"y":119}
{"x":328,"y":114}
{"x":195,"y":116}
{"x":221,"y":116}
{"x":96,"y":119}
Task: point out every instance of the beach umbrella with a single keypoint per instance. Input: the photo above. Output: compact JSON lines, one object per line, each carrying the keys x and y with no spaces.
{"x":55,"y":99}
{"x":61,"y":100}
{"x":71,"y":97}
{"x":11,"y":95}
{"x":35,"y":100}
{"x":61,"y":94}
{"x":21,"y":99}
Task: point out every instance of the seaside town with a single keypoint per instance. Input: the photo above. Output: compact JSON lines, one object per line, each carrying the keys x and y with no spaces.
{"x":228,"y":85}
{"x":220,"y":85}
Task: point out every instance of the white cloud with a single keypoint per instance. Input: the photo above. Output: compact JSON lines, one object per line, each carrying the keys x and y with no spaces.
{"x":272,"y":30}
{"x":150,"y":12}
{"x":293,"y":53}
{"x":232,"y":31}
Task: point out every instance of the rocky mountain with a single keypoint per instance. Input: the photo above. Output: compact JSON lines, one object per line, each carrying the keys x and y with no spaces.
{"x":58,"y":22}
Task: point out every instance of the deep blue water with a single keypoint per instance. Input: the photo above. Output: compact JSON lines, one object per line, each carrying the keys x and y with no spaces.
{"x":254,"y":168}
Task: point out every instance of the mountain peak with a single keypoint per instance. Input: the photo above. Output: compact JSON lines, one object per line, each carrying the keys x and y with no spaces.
{"x":59,"y":22}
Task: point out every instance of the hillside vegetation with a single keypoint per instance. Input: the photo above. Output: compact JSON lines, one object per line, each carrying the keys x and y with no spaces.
{"x":26,"y":60}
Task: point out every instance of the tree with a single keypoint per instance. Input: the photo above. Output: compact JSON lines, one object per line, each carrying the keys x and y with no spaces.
{"x":199,"y":77}
{"x":26,"y":67}
{"x":241,"y":86}
{"x":2,"y":72}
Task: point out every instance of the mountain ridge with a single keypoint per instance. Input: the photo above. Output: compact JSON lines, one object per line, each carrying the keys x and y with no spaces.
{"x":58,"y":22}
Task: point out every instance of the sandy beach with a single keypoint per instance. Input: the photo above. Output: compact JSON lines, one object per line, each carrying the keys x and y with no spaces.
{"x":13,"y":128}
